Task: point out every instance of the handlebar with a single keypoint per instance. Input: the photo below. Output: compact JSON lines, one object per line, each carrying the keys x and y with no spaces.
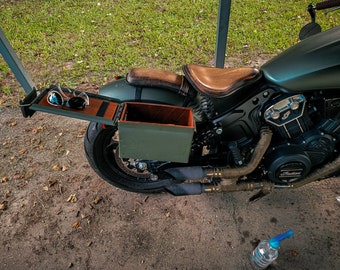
{"x":327,"y":4}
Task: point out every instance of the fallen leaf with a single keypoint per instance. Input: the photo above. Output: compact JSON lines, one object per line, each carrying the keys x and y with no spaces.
{"x":3,"y":205}
{"x":64,"y":168}
{"x":73,"y":179}
{"x":29,"y":175}
{"x":81,"y":133}
{"x":302,"y":217}
{"x":4,"y":179}
{"x":12,"y":124}
{"x":22,"y":151}
{"x":56,"y":168}
{"x":76,"y":225}
{"x":293,"y":253}
{"x":97,"y":200}
{"x":52,"y":182}
{"x":38,"y":129}
{"x":19,"y":176}
{"x":72,"y":198}
{"x":89,"y":243}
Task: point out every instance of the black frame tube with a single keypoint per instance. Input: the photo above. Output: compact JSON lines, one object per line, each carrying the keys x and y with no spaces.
{"x":13,"y":61}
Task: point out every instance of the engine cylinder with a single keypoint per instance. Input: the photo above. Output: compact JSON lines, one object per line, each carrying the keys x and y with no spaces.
{"x":288,"y":116}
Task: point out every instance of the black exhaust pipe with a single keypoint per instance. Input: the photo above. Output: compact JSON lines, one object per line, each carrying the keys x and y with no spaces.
{"x":186,"y":173}
{"x":185,"y":189}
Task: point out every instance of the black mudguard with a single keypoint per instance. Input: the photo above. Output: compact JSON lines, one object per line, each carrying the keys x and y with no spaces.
{"x":120,"y":89}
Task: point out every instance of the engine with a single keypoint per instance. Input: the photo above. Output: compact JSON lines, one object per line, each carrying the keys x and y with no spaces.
{"x":303,"y":144}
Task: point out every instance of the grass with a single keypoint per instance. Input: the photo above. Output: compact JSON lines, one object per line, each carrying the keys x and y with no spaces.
{"x":72,"y":41}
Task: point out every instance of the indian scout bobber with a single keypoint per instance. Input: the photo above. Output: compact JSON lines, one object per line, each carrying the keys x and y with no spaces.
{"x":214,"y":129}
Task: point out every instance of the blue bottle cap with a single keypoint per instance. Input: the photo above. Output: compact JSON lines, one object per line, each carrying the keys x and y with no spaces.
{"x":276,"y":241}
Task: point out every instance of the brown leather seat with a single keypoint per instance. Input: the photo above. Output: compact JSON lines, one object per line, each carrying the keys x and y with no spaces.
{"x":219,"y":82}
{"x":149,"y":77}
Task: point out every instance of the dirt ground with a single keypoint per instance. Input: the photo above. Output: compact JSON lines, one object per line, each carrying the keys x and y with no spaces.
{"x":56,"y":213}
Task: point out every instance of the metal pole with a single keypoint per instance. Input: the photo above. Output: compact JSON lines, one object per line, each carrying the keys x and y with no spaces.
{"x":13,"y":61}
{"x":222,"y":32}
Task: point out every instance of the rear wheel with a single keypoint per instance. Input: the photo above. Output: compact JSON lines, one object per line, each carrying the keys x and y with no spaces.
{"x":101,"y":147}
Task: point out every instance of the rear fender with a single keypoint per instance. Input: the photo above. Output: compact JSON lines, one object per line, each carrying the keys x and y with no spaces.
{"x":121,"y":90}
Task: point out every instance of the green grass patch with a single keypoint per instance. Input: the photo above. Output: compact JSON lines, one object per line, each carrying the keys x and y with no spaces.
{"x":72,"y":41}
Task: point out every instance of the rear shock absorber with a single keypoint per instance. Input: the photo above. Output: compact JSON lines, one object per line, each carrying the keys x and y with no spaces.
{"x":207,"y":106}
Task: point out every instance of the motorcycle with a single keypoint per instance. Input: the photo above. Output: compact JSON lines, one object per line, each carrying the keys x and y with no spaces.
{"x":213,"y":129}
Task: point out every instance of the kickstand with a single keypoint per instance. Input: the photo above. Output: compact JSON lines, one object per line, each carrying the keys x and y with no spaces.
{"x":259,"y":195}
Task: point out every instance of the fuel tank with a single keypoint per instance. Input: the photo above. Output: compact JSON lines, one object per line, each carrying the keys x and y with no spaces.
{"x":312,"y":64}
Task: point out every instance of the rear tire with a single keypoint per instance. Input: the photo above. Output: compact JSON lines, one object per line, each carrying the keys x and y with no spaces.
{"x":101,"y":148}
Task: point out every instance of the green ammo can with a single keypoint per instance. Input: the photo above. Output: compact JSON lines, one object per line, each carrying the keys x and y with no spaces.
{"x":155,"y":132}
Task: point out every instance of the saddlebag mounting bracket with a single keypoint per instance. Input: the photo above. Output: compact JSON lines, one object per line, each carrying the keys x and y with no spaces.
{"x":101,"y":109}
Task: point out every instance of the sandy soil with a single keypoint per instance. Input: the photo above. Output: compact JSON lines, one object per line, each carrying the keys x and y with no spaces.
{"x":56,"y":213}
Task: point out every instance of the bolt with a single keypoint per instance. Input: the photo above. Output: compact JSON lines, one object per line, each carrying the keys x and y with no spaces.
{"x":153,"y":177}
{"x":219,"y":131}
{"x":142,"y":166}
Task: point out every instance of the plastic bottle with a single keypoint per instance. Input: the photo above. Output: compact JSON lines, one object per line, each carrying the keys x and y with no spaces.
{"x":267,"y":251}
